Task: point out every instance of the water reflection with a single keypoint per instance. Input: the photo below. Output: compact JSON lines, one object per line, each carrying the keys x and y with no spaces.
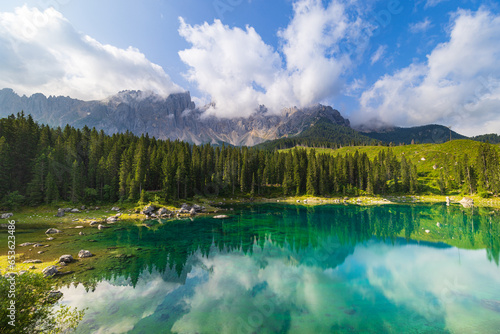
{"x":295,"y":270}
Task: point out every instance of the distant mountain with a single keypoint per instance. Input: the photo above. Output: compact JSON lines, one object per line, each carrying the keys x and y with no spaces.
{"x":321,"y":133}
{"x":491,"y":138}
{"x":177,"y":117}
{"x":427,"y":134}
{"x":174,"y":117}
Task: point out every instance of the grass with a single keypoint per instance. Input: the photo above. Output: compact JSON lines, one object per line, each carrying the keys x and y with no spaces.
{"x":428,"y":158}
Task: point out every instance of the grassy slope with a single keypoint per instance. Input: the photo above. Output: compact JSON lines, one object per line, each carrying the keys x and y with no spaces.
{"x":434,"y":154}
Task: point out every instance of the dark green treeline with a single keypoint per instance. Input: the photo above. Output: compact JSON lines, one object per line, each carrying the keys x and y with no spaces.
{"x":39,"y":164}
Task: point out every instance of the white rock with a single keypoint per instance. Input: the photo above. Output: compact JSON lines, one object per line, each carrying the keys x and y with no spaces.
{"x":6,"y":215}
{"x":66,"y":258}
{"x":52,"y":231}
{"x":84,"y":254}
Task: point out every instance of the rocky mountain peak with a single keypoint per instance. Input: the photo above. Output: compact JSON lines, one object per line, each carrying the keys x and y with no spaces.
{"x":172,"y":117}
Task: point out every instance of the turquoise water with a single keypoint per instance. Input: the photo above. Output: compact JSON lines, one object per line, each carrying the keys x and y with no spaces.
{"x":291,"y":269}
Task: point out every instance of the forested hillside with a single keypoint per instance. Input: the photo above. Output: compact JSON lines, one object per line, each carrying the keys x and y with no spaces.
{"x":39,"y":164}
{"x":323,"y":133}
{"x":460,"y":166}
{"x":491,"y":138}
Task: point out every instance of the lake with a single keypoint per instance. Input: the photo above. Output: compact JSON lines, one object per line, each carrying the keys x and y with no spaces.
{"x":277,"y":268}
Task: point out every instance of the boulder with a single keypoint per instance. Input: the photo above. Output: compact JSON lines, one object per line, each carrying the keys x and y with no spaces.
{"x":50,"y":271}
{"x":92,"y":223}
{"x":148,"y":210}
{"x":66,"y":258}
{"x":448,"y":201}
{"x":467,"y":202}
{"x":163,"y":211}
{"x":438,"y":225}
{"x":197,"y":208}
{"x":38,"y":245}
{"x":115,"y":208}
{"x":26,"y":244}
{"x":60,"y":213}
{"x":112,"y":219}
{"x":78,"y":227}
{"x":84,"y":253}
{"x":55,"y":295}
{"x":192,"y":212}
{"x":100,"y":227}
{"x":75,"y":211}
{"x":52,"y":231}
{"x":221,"y":217}
{"x":185,"y":208}
{"x":6,"y":215}
{"x":50,"y":239}
{"x":67,"y":209}
{"x":33,"y":261}
{"x":427,"y":231}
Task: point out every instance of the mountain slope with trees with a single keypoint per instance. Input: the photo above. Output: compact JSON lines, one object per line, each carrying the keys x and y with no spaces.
{"x":426,"y":134}
{"x":39,"y":164}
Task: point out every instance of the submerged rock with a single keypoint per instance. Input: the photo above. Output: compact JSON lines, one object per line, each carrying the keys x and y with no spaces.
{"x":84,"y":254}
{"x":115,"y":208}
{"x":52,"y":231}
{"x":221,"y":217}
{"x":66,"y":258}
{"x":55,"y":295}
{"x":50,"y":271}
{"x":33,"y":261}
{"x":6,"y":215}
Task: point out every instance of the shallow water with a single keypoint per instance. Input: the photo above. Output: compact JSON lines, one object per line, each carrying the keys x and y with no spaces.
{"x":291,"y":269}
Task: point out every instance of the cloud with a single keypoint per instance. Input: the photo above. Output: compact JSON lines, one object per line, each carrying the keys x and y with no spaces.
{"x":421,"y":26}
{"x":433,"y":3}
{"x":240,"y":71}
{"x":42,"y":52}
{"x":378,"y":54}
{"x":458,"y":85}
{"x":117,"y":306}
{"x":435,"y":286}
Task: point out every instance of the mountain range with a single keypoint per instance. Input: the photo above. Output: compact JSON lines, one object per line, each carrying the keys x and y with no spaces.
{"x":177,"y":117}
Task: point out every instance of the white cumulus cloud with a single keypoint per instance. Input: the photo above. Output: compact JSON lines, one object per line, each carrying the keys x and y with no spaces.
{"x":458,"y":85}
{"x":239,"y":71}
{"x":42,"y":52}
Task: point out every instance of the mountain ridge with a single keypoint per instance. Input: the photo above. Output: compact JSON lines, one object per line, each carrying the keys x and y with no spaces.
{"x":174,"y":117}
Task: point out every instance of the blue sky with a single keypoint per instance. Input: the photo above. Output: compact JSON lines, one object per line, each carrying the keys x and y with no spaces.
{"x":402,"y":63}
